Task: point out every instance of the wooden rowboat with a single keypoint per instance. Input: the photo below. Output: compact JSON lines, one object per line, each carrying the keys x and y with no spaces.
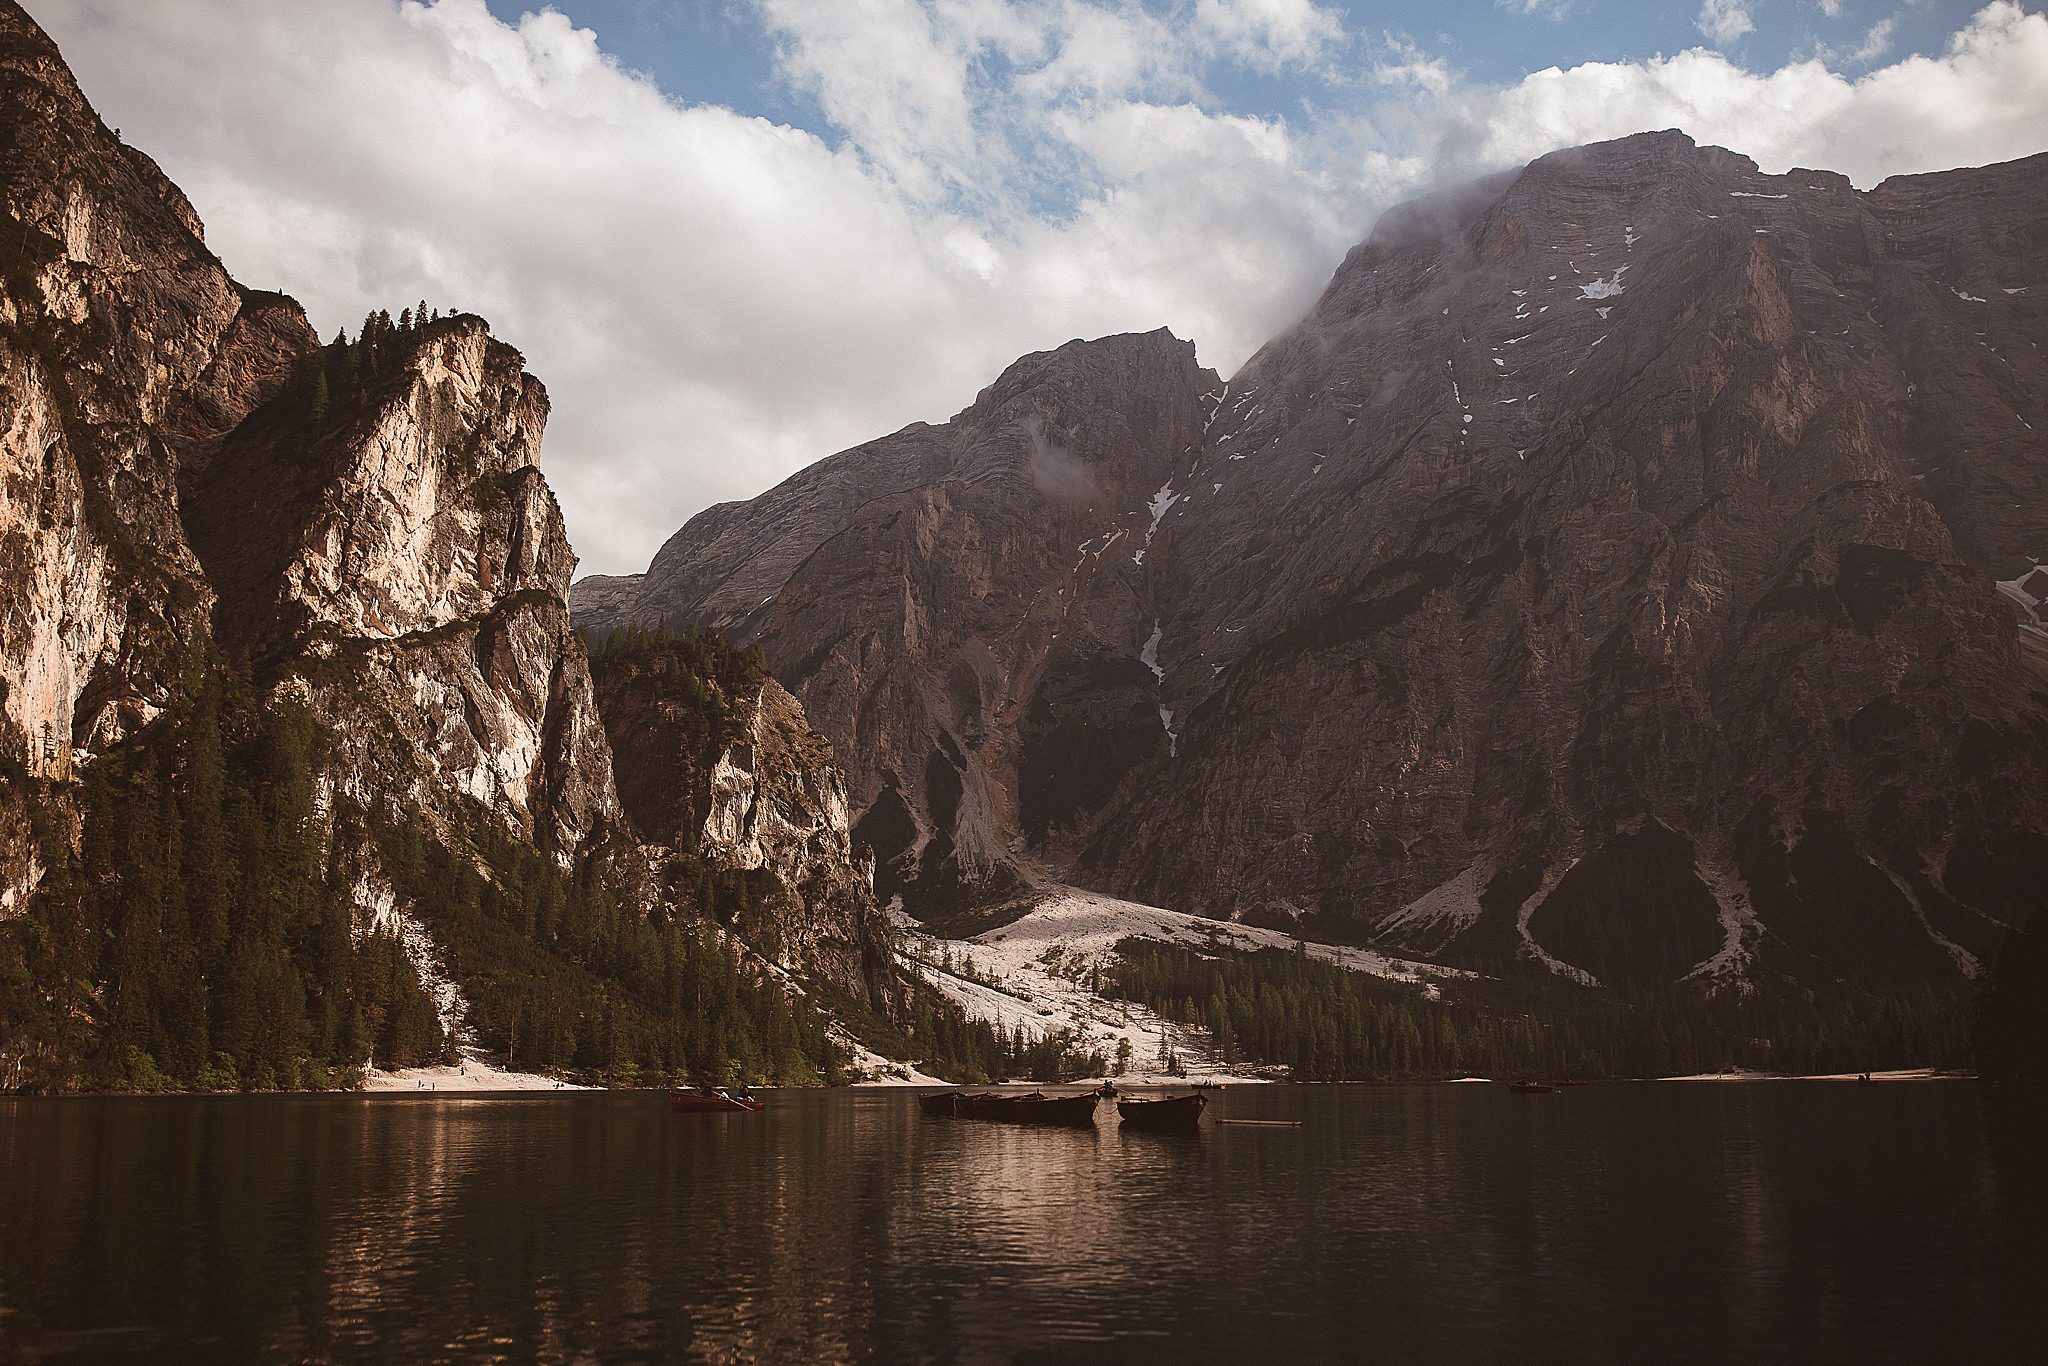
{"x":940,"y":1103}
{"x":1179,"y":1113}
{"x":717,"y":1102}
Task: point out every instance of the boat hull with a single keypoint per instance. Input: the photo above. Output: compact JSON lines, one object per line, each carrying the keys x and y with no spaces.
{"x":1178,"y":1114}
{"x":1073,"y":1112}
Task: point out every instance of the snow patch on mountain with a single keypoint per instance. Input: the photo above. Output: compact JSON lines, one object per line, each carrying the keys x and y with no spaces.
{"x":1605,"y":288}
{"x":1161,"y":504}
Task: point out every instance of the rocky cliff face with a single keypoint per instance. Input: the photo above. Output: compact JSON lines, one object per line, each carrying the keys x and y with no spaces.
{"x":1627,"y":568}
{"x":402,"y":554}
{"x":124,"y":349}
{"x":725,"y":782}
{"x":189,"y":481}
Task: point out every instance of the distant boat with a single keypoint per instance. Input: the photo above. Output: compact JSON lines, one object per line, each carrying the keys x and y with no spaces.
{"x":719,"y":1101}
{"x":1181,"y":1113}
{"x":1531,"y":1088}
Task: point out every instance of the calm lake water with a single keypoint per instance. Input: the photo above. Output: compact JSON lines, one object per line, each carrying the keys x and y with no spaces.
{"x":1664,"y":1222}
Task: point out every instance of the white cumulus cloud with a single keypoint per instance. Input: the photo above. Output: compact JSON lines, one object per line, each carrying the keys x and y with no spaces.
{"x":1723,"y":21}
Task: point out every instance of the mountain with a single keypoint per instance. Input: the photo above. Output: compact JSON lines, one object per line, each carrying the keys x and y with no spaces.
{"x":1631,"y":569}
{"x":300,"y":759}
{"x":916,"y":593}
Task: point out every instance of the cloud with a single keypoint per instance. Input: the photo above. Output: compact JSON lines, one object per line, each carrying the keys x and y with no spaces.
{"x":1403,"y":64}
{"x":1548,"y":9}
{"x":1057,"y":471}
{"x":1270,"y":35}
{"x":1984,"y":99}
{"x":1723,"y":21}
{"x":716,"y":300}
{"x":1875,"y":43}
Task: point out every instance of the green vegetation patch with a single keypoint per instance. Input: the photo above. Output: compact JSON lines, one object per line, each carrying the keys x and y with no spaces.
{"x":1328,"y":1023}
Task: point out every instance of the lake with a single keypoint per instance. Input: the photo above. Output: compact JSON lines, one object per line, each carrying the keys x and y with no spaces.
{"x":1777,"y":1221}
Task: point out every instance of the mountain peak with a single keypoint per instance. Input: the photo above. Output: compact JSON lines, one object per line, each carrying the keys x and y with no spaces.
{"x":1087,"y":363}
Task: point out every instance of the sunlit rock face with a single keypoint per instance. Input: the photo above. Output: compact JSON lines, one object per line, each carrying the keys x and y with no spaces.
{"x":404,"y":555}
{"x":1627,"y":569}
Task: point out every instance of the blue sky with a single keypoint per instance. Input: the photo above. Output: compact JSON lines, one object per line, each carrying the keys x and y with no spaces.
{"x":734,"y":236}
{"x":719,"y":51}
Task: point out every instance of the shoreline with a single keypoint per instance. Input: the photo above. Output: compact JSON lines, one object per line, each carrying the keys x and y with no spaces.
{"x":469,"y":1077}
{"x":1897,"y":1074}
{"x":473,"y":1078}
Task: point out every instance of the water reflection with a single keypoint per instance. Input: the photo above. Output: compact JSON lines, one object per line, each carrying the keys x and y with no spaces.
{"x":1623,"y":1223}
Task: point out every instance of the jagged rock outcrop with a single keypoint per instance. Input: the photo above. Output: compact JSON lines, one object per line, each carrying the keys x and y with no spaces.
{"x":1628,"y":567}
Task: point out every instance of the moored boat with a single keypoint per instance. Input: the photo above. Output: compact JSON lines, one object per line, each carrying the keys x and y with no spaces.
{"x":1076,"y":1112}
{"x":719,"y":1101}
{"x":1531,"y":1088}
{"x":1182,"y":1113}
{"x":942,"y":1103}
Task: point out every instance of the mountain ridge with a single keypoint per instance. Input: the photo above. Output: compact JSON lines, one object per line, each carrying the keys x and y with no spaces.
{"x":1625,"y":507}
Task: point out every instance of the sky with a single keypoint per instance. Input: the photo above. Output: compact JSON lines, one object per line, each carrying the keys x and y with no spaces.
{"x":735,"y":236}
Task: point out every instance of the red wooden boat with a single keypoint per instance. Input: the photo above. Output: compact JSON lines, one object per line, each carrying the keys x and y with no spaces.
{"x":719,"y":1101}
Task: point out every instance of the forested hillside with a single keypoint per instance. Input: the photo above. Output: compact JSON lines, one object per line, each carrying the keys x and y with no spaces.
{"x":1323,"y":1023}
